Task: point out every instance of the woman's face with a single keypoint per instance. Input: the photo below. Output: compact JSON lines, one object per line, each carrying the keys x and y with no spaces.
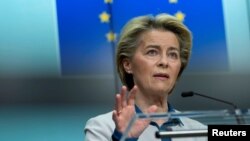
{"x":156,"y":62}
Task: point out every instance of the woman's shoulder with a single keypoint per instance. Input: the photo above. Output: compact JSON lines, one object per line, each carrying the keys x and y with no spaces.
{"x":105,"y":116}
{"x":100,"y":127}
{"x":101,"y":121}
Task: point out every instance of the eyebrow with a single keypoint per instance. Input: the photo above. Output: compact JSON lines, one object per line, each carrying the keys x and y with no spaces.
{"x":158,"y":47}
{"x":174,"y":48}
{"x":153,"y":46}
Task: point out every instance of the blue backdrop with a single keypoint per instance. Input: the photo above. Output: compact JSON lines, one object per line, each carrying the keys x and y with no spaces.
{"x":84,"y":48}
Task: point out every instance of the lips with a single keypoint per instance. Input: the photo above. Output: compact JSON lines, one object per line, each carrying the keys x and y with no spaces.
{"x":161,"y":75}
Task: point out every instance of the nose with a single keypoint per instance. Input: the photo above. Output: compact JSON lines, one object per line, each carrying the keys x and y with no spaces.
{"x":163,"y":61}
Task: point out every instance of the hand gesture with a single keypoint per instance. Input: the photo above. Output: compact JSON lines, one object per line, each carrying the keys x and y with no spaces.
{"x":125,"y":110}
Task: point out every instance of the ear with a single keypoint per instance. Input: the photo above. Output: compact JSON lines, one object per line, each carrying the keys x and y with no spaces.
{"x":127,"y":65}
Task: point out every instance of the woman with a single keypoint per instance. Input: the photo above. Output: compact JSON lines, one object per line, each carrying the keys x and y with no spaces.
{"x":151,"y":55}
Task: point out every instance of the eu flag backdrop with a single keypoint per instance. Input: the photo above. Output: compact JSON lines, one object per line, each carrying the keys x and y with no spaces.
{"x":83,"y":27}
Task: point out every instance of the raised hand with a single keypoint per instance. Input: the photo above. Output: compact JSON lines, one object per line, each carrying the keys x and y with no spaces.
{"x":125,"y":110}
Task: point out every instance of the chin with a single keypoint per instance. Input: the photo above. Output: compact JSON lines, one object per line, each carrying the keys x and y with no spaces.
{"x":161,"y":90}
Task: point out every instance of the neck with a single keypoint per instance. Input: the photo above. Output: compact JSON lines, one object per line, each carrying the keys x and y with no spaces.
{"x":144,"y":101}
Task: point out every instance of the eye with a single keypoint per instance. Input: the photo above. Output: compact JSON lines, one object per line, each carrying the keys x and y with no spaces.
{"x":152,"y":52}
{"x":173,"y":55}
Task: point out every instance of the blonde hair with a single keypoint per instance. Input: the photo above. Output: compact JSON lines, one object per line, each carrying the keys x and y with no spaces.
{"x":131,"y":33}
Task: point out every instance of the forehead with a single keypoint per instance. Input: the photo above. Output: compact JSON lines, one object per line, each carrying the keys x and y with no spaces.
{"x":159,"y":38}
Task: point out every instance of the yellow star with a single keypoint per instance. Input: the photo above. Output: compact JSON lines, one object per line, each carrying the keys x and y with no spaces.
{"x":104,"y":17}
{"x":180,"y":16}
{"x":108,"y":1}
{"x":111,"y":36}
{"x":173,"y":1}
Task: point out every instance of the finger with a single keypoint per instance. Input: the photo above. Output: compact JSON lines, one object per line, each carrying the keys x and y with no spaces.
{"x":131,"y":98}
{"x":123,"y":96}
{"x":114,"y":116}
{"x":118,"y":103}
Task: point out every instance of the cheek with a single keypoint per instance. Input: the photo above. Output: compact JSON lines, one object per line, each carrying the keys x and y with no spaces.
{"x":177,"y":68}
{"x":140,"y":68}
{"x":140,"y":65}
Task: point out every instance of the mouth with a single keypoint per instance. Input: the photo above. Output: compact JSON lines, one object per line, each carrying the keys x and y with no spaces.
{"x":161,"y":76}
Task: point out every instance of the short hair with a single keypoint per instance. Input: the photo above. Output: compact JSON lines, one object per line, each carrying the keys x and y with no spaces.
{"x":130,"y":37}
